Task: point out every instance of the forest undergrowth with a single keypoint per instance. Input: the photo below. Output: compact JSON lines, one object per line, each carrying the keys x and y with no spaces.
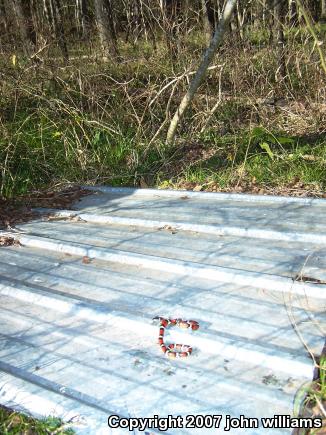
{"x":96,"y":121}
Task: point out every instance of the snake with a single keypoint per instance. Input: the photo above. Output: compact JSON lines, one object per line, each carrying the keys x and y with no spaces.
{"x":174,"y":350}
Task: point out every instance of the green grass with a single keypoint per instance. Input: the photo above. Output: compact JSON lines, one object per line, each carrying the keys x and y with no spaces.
{"x":42,"y":151}
{"x":93,"y":121}
{"x":315,"y":398}
{"x":261,"y":159}
{"x":12,"y":422}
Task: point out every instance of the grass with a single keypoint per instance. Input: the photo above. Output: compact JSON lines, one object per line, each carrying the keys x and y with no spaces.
{"x":257,"y":160}
{"x":314,"y":403}
{"x":102,"y":122}
{"x":42,"y":151}
{"x":12,"y":422}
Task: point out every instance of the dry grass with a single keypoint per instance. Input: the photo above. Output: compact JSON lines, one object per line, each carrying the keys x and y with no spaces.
{"x":12,"y":422}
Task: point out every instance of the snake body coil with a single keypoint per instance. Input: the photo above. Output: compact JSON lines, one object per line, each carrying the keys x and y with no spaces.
{"x":175,"y":350}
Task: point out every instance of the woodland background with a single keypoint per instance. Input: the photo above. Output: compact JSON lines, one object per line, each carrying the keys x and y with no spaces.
{"x":89,"y":87}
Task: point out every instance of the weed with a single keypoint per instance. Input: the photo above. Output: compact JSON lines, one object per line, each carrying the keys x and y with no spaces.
{"x":12,"y":422}
{"x":103,"y":122}
{"x":314,"y":403}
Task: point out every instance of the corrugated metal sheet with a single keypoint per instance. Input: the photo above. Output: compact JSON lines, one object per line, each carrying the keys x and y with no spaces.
{"x":77,"y":337}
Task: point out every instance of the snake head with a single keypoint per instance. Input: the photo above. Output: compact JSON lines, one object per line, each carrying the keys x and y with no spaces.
{"x":194,"y":325}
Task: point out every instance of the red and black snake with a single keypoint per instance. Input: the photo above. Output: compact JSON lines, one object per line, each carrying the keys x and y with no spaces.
{"x":175,"y":350}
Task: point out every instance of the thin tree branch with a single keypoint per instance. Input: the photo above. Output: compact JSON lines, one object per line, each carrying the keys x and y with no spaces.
{"x":200,"y":74}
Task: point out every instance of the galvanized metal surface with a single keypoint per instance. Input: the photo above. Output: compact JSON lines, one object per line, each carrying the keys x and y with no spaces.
{"x":77,"y":337}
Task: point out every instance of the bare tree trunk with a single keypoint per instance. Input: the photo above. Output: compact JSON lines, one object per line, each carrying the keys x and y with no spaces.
{"x":103,"y":14}
{"x":200,"y":74}
{"x":82,"y":18}
{"x":312,"y":6}
{"x":150,"y":23}
{"x":279,"y":16}
{"x":37,"y":11}
{"x":171,"y":12}
{"x":23,"y":22}
{"x":135,"y":21}
{"x":143,"y":21}
{"x":185,"y":14}
{"x":241,"y":14}
{"x":48,"y":12}
{"x":113,"y":35}
{"x":52,"y":10}
{"x":323,"y":11}
{"x":208,"y":26}
{"x":3,"y":16}
{"x":293,"y":13}
{"x":6,"y":21}
{"x":59,"y":29}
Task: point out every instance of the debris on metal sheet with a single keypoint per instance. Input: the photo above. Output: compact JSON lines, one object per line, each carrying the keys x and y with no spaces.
{"x":217,"y":230}
{"x":175,"y":350}
{"x":304,"y":278}
{"x":169,"y":228}
{"x":77,"y":302}
{"x":9,"y":241}
{"x":62,"y":217}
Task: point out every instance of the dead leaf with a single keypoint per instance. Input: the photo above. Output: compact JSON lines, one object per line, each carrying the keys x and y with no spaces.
{"x":304,"y":278}
{"x":56,"y":218}
{"x":9,"y":241}
{"x":169,"y":228}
